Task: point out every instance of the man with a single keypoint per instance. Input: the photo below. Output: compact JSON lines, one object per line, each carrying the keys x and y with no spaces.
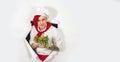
{"x":43,"y":29}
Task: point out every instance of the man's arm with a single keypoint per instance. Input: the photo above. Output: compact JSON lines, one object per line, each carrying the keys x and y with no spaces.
{"x":57,"y":45}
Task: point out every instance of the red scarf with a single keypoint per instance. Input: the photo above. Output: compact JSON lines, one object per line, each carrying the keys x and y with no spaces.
{"x":35,"y":22}
{"x":42,"y":57}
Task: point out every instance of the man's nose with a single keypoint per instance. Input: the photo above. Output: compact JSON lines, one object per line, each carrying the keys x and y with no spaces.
{"x":41,"y":21}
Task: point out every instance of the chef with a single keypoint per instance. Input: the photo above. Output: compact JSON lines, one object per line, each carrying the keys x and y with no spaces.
{"x":43,"y":29}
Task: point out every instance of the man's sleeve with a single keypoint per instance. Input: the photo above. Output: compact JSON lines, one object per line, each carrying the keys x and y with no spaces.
{"x":58,"y":41}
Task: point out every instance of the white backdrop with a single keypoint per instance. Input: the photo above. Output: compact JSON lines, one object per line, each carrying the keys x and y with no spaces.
{"x":91,"y":29}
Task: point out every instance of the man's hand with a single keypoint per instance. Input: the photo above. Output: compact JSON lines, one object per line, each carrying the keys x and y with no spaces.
{"x":55,"y":48}
{"x":41,"y":45}
{"x":35,"y":45}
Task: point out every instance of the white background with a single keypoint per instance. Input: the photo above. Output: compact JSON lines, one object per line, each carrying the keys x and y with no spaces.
{"x":91,"y":29}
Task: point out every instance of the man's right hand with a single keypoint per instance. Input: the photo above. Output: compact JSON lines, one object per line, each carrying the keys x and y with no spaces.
{"x":35,"y":45}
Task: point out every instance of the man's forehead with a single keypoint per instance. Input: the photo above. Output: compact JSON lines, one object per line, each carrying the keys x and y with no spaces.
{"x":41,"y":17}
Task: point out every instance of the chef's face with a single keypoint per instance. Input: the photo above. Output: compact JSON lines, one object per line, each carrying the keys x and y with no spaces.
{"x":42,"y":22}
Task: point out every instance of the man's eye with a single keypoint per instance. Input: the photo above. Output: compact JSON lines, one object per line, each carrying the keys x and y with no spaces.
{"x":38,"y":20}
{"x":43,"y":19}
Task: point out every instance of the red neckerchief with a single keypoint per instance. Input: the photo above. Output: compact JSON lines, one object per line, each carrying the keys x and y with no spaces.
{"x":35,"y":20}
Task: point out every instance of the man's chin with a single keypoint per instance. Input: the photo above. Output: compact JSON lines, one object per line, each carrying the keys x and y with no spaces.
{"x":42,"y":27}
